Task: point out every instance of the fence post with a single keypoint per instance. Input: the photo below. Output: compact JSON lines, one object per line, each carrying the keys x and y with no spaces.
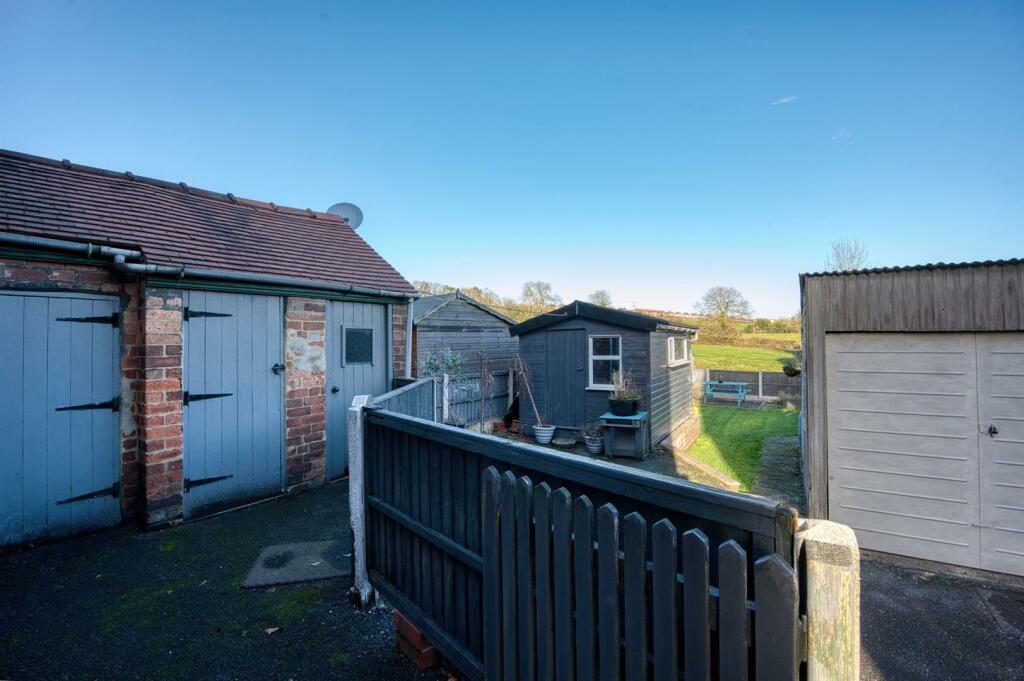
{"x":444,"y":398}
{"x":829,"y":561}
{"x":760,"y":385}
{"x":511,"y":389}
{"x":356,"y":499}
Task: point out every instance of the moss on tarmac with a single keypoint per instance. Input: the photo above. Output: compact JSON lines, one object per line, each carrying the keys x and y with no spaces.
{"x":167,"y":605}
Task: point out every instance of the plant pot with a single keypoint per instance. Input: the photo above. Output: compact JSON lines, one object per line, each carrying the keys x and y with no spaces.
{"x":595,"y":445}
{"x":543,"y":434}
{"x":791,"y":371}
{"x":623,"y":407}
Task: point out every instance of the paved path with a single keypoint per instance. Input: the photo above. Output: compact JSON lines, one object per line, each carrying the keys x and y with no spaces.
{"x":779,"y":473}
{"x":167,"y":605}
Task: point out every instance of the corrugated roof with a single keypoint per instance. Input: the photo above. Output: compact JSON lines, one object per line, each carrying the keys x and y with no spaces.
{"x":911,"y":268}
{"x":174,"y":224}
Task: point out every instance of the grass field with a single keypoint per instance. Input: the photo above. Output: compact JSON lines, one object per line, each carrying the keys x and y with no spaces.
{"x":739,"y":358}
{"x":731,"y":438}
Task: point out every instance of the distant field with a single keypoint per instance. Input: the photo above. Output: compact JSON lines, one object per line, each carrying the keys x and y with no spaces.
{"x":738,"y":358}
{"x":793,"y":338}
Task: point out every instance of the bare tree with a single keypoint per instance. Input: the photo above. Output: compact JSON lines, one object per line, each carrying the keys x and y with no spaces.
{"x":432,"y":288}
{"x":723,"y":302}
{"x":600,"y":297}
{"x":846,"y":255}
{"x":538,"y":296}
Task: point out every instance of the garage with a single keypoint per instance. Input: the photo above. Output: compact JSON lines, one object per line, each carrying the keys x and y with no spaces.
{"x":59,"y":417}
{"x":914,"y":418}
{"x":233,"y":399}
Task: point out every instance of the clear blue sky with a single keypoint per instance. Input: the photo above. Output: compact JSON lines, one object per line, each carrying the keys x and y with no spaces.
{"x":651,"y":149}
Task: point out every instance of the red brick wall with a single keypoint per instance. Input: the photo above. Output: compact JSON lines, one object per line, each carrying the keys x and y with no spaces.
{"x":399,"y":315}
{"x":47,"y":276}
{"x":159,"y":405}
{"x":305,"y":381}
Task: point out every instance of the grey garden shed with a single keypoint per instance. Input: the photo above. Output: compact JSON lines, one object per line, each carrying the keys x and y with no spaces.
{"x":914,"y":409}
{"x":572,"y":353}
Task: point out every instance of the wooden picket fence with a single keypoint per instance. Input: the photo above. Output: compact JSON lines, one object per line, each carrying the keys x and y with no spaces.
{"x":559,"y":605}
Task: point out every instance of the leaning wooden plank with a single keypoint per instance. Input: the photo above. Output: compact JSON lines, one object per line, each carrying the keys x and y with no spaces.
{"x":733,"y":651}
{"x":608,"y":591}
{"x":583,"y":553}
{"x":664,"y":599}
{"x":542,"y":568}
{"x":776,"y":623}
{"x":490,"y":547}
{"x":696,"y":606}
{"x":634,"y":531}
{"x":561,"y":519}
{"x":524,"y":587}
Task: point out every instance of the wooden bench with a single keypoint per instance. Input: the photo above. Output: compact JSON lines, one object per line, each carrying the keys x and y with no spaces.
{"x":737,"y":389}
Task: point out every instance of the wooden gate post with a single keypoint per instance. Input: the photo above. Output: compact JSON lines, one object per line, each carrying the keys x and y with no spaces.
{"x":829,"y":561}
{"x":357,"y":499}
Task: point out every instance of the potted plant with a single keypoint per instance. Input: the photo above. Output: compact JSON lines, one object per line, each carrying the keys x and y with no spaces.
{"x":541,"y":432}
{"x":792,"y":366}
{"x":788,"y":400}
{"x":625,"y":399}
{"x":592,"y":438}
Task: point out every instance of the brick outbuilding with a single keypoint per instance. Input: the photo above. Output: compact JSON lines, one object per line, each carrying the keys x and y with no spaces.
{"x":171,"y":351}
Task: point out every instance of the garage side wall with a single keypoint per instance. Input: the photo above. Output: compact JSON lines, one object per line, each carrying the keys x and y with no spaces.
{"x":949,"y":299}
{"x":34,"y":275}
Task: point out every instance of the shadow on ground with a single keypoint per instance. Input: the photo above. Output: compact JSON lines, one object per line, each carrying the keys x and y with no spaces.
{"x":167,"y":605}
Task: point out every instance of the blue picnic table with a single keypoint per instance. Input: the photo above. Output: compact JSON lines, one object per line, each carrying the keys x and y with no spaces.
{"x":737,"y":389}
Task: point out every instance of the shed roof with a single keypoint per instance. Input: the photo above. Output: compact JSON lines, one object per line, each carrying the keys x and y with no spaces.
{"x":428,"y":305}
{"x":578,"y":308}
{"x":912,"y":268}
{"x":175,"y":224}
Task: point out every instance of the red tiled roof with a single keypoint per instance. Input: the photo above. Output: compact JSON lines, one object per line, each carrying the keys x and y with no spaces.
{"x":173,"y":224}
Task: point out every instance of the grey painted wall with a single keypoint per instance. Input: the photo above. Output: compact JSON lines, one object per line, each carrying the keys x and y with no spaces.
{"x":671,"y":389}
{"x":468,"y":330}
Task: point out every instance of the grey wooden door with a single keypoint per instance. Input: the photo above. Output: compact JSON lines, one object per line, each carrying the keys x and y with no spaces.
{"x":566,"y":377}
{"x":234,"y":383}
{"x":1001,"y":426}
{"x":59,"y":416}
{"x":357,"y":364}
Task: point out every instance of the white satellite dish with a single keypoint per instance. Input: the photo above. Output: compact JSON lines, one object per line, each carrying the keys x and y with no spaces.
{"x":349,"y":211}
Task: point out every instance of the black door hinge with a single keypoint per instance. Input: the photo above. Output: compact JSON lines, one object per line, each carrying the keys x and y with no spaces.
{"x":188,"y":397}
{"x":199,"y":482}
{"x":111,"y":404}
{"x":188,"y":313}
{"x":112,"y":491}
{"x":112,"y":319}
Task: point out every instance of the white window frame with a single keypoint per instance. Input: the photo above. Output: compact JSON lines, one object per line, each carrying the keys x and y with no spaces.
{"x":591,"y":357}
{"x":674,"y":361}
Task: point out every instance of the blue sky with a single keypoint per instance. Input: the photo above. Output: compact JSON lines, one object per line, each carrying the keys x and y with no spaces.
{"x":651,"y":149}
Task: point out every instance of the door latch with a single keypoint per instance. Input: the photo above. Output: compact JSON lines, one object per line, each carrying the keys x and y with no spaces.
{"x":993,"y":430}
{"x":277,"y":368}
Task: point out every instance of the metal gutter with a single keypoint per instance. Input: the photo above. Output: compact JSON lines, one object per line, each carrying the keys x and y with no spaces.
{"x":87,"y":249}
{"x":408,"y":337}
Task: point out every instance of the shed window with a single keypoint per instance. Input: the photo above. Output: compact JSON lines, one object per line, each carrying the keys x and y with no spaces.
{"x":605,"y":361}
{"x":358,"y":346}
{"x":678,"y":350}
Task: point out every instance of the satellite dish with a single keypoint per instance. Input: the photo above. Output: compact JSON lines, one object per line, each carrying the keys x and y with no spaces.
{"x":349,"y":211}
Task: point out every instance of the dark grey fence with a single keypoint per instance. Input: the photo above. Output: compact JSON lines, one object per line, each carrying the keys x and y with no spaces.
{"x":501,"y":576}
{"x":760,"y":384}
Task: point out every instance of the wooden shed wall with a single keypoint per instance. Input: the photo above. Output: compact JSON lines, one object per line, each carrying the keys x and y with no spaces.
{"x":671,"y":389}
{"x":965,"y":299}
{"x":533,"y":349}
{"x":468,"y":330}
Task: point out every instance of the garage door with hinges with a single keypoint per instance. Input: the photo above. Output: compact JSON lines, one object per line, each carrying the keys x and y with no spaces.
{"x":233,"y":399}
{"x":58,"y":414}
{"x":926,"y":444}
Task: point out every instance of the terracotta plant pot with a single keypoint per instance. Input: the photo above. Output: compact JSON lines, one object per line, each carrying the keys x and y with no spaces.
{"x":623,"y":407}
{"x":543,"y":434}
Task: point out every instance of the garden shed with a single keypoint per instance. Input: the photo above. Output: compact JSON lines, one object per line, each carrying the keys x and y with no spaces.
{"x":914,"y":409}
{"x":571,"y":354}
{"x":169,"y":351}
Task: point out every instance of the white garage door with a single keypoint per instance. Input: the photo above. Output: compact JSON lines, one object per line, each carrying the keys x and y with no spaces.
{"x":926,"y":444}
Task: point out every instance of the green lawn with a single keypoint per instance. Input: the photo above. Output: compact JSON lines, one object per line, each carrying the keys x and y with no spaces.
{"x":737,"y":358}
{"x":731,"y":438}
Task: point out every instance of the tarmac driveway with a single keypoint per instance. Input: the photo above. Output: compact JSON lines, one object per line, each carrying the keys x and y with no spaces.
{"x":167,"y":605}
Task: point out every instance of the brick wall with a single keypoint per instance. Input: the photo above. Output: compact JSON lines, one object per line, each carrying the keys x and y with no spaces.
{"x":47,"y":276}
{"x":158,"y":405}
{"x":399,"y":315}
{"x":305,"y":381}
